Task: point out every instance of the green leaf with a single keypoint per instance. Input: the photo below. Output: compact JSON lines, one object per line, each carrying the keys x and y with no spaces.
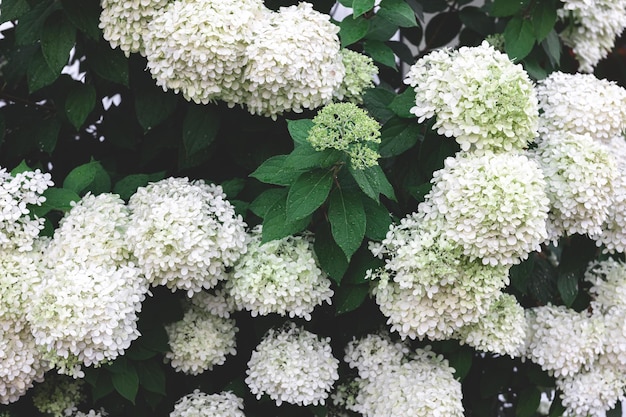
{"x":136,"y":352}
{"x":381,"y":29}
{"x":378,"y":220}
{"x":264,"y":201}
{"x":397,"y":12}
{"x":350,"y":297}
{"x":21,"y":167}
{"x":398,"y":136}
{"x":329,"y":255}
{"x":109,"y":64}
{"x":503,"y":8}
{"x":13,"y":9}
{"x":274,"y":171}
{"x":367,"y":180}
{"x":352,"y":30}
{"x":126,"y":383}
{"x":567,"y":284}
{"x":362,"y":261}
{"x":380,"y":52}
{"x":39,"y":73}
{"x":386,"y":188}
{"x":30,"y":27}
{"x":103,"y":387}
{"x":442,"y":29}
{"x":402,"y":104}
{"x":543,"y":18}
{"x":128,"y":185}
{"x":200,"y":127}
{"x":360,"y":7}
{"x":152,"y":106}
{"x":59,"y":199}
{"x":299,"y":130}
{"x":377,"y":102}
{"x":305,"y":157}
{"x":276,"y":225}
{"x":151,"y":376}
{"x":155,"y":338}
{"x":84,"y":15}
{"x":347,"y":219}
{"x":307,"y":193}
{"x":79,"y":103}
{"x":520,"y":273}
{"x":232,"y":187}
{"x":476,"y":19}
{"x":519,"y":38}
{"x":552,"y":46}
{"x":57,"y":40}
{"x":88,"y":177}
{"x":461,"y":361}
{"x":528,"y":402}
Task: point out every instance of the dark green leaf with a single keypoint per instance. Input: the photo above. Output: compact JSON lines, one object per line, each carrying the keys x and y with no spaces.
{"x":503,"y":8}
{"x":21,"y":167}
{"x":475,"y":19}
{"x":233,"y":187}
{"x":299,"y":130}
{"x":128,"y":185}
{"x":528,"y":402}
{"x":103,"y":387}
{"x":80,"y":101}
{"x":155,"y":338}
{"x":434,"y":6}
{"x":264,"y":201}
{"x":305,"y":156}
{"x":152,"y":106}
{"x":39,"y":73}
{"x":126,"y":383}
{"x":552,"y":46}
{"x":461,"y":361}
{"x":30,"y":27}
{"x":378,"y":220}
{"x":360,"y":7}
{"x":200,"y":127}
{"x":362,"y":261}
{"x":381,"y":29}
{"x":47,"y":133}
{"x":534,"y":68}
{"x":520,"y":274}
{"x":59,"y":199}
{"x":556,"y":408}
{"x":307,"y":193}
{"x":402,"y":103}
{"x":347,"y":219}
{"x":329,"y":255}
{"x":85,"y":15}
{"x":519,"y":38}
{"x":151,"y":376}
{"x":57,"y":40}
{"x":137,"y":352}
{"x":442,"y":29}
{"x":274,"y":171}
{"x":367,"y":179}
{"x":397,"y":12}
{"x":377,"y":102}
{"x":276,"y":225}
{"x":350,"y":297}
{"x":386,"y":188}
{"x":567,"y":284}
{"x":88,"y":177}
{"x":402,"y":51}
{"x":398,"y":136}
{"x":380,"y":53}
{"x":615,"y":411}
{"x":543,"y":18}
{"x":352,"y":30}
{"x":109,"y":64}
{"x":13,"y":9}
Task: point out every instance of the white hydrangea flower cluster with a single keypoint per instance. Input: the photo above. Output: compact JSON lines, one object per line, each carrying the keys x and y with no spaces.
{"x":493,"y":205}
{"x":85,"y":307}
{"x":593,"y":28}
{"x":201,"y":339}
{"x":422,"y":386}
{"x":18,"y":229}
{"x":427,"y":287}
{"x":281,"y":276}
{"x":124,"y":23}
{"x":613,"y":236}
{"x":198,"y":47}
{"x":502,"y":330}
{"x":360,"y":73}
{"x":550,"y":326}
{"x":478,"y":96}
{"x":581,"y":104}
{"x":58,"y":395}
{"x":579,"y":174}
{"x":373,"y":353}
{"x":218,"y":302}
{"x":20,"y":272}
{"x":294,"y":366}
{"x":91,"y":413}
{"x":184,"y":233}
{"x":200,"y":404}
{"x":593,"y":392}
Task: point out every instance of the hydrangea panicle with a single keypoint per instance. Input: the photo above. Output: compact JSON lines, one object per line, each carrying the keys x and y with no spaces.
{"x":199,"y":404}
{"x":58,"y":395}
{"x":360,"y":73}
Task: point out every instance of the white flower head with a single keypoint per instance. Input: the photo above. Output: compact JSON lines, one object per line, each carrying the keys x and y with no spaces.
{"x":608,"y":284}
{"x":478,"y":96}
{"x":281,"y":276}
{"x":184,"y":233}
{"x":199,"y":404}
{"x":581,"y":104}
{"x":360,"y":73}
{"x":293,"y":62}
{"x":198,"y":47}
{"x":292,"y":365}
{"x":493,"y":205}
{"x":58,"y":395}
{"x":613,"y":236}
{"x":614,"y":355}
{"x":373,"y":353}
{"x":579,"y":174}
{"x":562,"y":341}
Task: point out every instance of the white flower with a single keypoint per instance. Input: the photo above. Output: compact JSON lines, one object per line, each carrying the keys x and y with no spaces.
{"x":608,"y":284}
{"x":613,"y":235}
{"x":360,"y":73}
{"x":373,"y":353}
{"x":124,"y":22}
{"x":591,"y":393}
{"x":614,"y":355}
{"x":593,"y":27}
{"x":91,"y":413}
{"x":293,"y":62}
{"x":422,"y":387}
{"x":199,"y":404}
{"x":198,"y":47}
{"x":562,"y":341}
{"x":200,"y":340}
{"x":18,"y":228}
{"x":493,"y":205}
{"x":477,"y":95}
{"x":579,"y":173}
{"x":292,"y":365}
{"x":184,"y":233}
{"x":581,"y":104}
{"x":280,"y":276}
{"x":58,"y":395}
{"x":501,"y":330}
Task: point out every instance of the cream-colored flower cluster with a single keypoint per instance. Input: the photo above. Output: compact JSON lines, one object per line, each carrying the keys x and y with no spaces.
{"x":200,"y":404}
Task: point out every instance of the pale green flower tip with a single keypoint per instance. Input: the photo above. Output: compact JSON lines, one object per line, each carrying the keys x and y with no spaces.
{"x":348,"y":128}
{"x":58,"y":395}
{"x":360,"y":73}
{"x":496,"y":40}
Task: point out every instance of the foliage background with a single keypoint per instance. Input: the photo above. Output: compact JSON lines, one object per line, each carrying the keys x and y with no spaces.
{"x":112,"y":129}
